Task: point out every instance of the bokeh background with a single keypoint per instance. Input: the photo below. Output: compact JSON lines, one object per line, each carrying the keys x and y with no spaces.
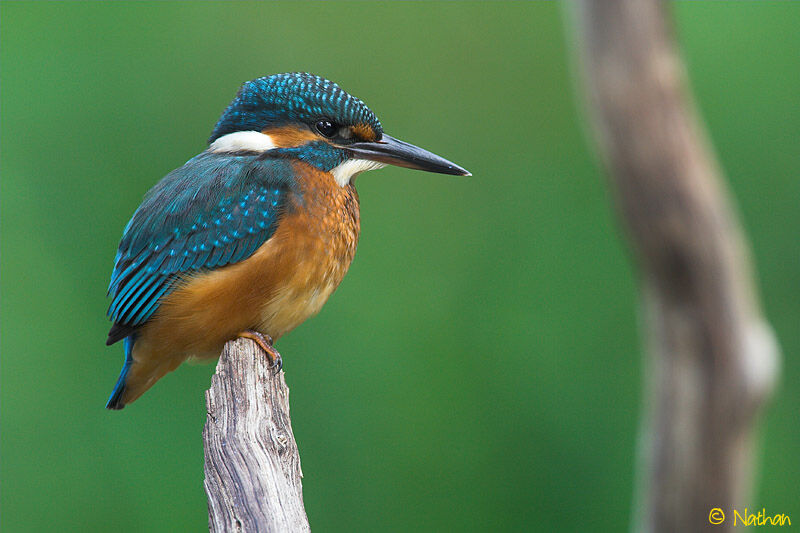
{"x":479,"y":368}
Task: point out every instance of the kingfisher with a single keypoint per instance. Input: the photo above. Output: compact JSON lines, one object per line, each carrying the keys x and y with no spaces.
{"x":250,"y":237}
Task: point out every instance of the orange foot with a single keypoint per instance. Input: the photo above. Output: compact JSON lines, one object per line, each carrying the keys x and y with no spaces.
{"x":265,"y":342}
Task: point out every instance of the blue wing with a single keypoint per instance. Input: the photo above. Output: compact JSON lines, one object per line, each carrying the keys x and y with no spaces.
{"x":215,"y":210}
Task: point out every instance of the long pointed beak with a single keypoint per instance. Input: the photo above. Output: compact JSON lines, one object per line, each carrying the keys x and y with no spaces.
{"x":402,"y":154}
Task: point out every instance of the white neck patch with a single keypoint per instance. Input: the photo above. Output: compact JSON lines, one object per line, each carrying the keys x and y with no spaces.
{"x":345,"y":172}
{"x":243,"y":141}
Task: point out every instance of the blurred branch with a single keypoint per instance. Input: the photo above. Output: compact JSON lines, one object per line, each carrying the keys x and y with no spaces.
{"x":712,"y":359}
{"x":252,"y":465}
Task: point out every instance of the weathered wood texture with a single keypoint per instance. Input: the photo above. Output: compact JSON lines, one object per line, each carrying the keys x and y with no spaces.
{"x":712,"y":358}
{"x":252,"y":465}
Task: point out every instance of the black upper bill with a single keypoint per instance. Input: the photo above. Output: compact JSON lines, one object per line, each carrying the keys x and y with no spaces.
{"x":396,"y":152}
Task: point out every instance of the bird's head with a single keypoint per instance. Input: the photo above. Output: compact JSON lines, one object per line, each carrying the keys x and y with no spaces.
{"x":315,"y":120}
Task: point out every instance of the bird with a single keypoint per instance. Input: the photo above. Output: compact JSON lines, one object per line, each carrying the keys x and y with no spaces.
{"x":250,"y":237}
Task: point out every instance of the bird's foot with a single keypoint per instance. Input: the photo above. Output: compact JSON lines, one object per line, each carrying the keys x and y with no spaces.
{"x":265,"y":342}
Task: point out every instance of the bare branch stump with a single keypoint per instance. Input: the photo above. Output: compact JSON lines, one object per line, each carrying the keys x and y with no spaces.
{"x":252,"y":465}
{"x":712,"y":359}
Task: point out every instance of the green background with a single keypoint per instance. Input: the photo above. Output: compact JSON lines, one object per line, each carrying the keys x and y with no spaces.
{"x":479,"y":368}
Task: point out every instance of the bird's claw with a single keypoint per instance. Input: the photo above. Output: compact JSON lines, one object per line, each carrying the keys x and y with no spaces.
{"x":265,"y":343}
{"x":277,"y":363}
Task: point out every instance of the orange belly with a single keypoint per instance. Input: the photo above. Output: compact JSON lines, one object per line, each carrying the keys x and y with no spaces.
{"x":283,"y":283}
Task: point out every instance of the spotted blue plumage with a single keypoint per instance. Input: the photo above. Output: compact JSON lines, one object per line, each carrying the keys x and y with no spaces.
{"x":319,"y":154}
{"x":295,"y":97}
{"x":215,"y":210}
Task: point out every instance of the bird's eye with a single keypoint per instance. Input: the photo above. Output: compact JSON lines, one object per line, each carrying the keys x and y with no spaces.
{"x":326,"y":128}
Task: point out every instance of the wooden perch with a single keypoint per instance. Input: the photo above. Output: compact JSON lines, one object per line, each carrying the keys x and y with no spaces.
{"x":252,"y":465}
{"x":712,"y":358}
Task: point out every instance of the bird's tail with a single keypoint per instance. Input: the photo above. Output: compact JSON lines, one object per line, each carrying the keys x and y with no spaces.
{"x":138,"y":374}
{"x":115,"y":400}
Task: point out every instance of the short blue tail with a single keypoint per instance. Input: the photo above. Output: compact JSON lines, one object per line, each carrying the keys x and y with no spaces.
{"x":115,"y":400}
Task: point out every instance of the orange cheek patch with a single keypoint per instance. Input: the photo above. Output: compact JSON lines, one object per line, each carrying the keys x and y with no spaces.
{"x":289,"y":137}
{"x":364,"y":132}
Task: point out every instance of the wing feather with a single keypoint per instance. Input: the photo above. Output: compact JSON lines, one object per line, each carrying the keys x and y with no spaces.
{"x":215,"y":210}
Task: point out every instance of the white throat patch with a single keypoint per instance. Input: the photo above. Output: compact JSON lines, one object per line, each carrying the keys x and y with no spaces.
{"x":243,"y":141}
{"x":345,"y":172}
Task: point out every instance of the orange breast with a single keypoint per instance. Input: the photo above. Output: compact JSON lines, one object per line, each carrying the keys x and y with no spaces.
{"x":283,"y":283}
{"x":316,"y":245}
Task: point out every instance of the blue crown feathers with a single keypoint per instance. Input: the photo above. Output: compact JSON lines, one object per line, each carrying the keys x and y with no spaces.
{"x":280,"y":99}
